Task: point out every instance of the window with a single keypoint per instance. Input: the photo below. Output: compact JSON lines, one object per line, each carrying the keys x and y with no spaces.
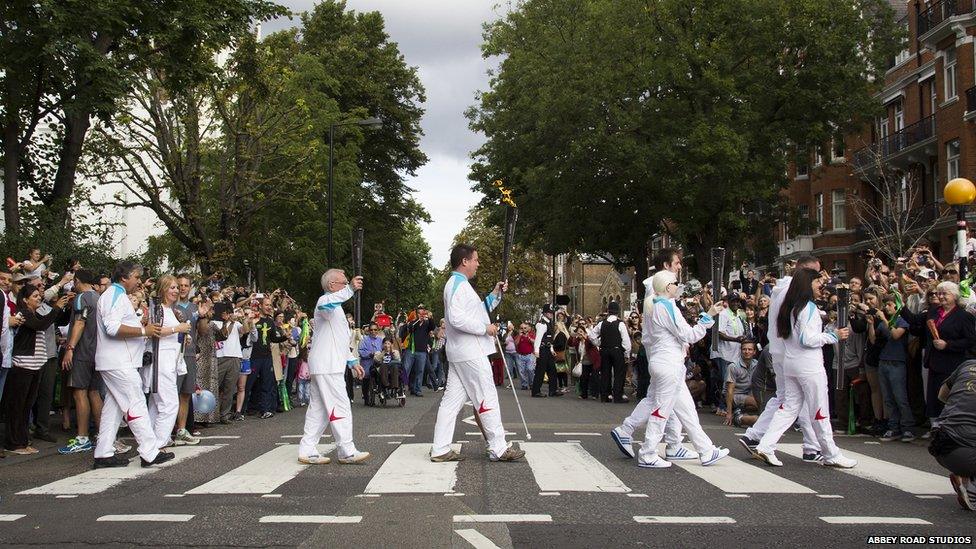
{"x":840,"y":265}
{"x":818,"y":201}
{"x":804,"y":211}
{"x":817,"y":157}
{"x":935,"y":97}
{"x":899,"y":116}
{"x":883,"y":127}
{"x":901,"y":201}
{"x":952,"y":160}
{"x":837,"y":149}
{"x":802,"y":163}
{"x":949,"y":73}
{"x":838,"y":205}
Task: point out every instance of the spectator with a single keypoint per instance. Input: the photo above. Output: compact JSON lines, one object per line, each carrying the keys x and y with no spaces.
{"x":264,"y":333}
{"x":525,"y":355}
{"x":611,"y":336}
{"x":29,"y":356}
{"x":730,"y":334}
{"x":228,"y":331}
{"x":418,"y":361}
{"x":740,"y":403}
{"x":380,"y":317}
{"x":560,"y":342}
{"x":79,"y":361}
{"x":388,"y":361}
{"x":186,"y":383}
{"x":893,"y":329}
{"x":371,"y":344}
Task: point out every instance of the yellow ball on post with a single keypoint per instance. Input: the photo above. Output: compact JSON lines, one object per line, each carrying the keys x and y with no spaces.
{"x":959,"y":192}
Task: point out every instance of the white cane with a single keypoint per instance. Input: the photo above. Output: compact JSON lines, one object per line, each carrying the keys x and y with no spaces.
{"x":498,"y":345}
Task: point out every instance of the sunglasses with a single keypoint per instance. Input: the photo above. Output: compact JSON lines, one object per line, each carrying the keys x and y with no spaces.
{"x":950,"y":272}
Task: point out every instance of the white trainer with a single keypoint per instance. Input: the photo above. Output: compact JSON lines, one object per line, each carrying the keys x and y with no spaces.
{"x":717,"y":454}
{"x":656,"y":463}
{"x":769,"y":457}
{"x":679,"y":453}
{"x":314,"y":460}
{"x":840,"y":461}
{"x":624,"y":442}
{"x":355,"y":457}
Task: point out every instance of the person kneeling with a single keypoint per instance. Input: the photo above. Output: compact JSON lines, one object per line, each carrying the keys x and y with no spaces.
{"x":738,"y":388}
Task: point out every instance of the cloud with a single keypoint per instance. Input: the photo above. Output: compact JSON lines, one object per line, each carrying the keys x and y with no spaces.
{"x":442,"y":38}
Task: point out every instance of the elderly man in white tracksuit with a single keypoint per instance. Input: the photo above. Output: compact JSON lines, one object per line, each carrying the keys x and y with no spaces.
{"x":470,"y":337}
{"x":804,"y":376}
{"x":668,"y":393}
{"x":328,"y":359}
{"x":776,"y":348}
{"x":118,"y":356}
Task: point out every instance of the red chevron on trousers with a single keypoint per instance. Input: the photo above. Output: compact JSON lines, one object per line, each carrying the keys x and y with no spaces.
{"x":657,"y":413}
{"x":781,"y":407}
{"x":482,"y":409}
{"x":333,"y":416}
{"x":819,"y":416}
{"x":129,"y":418}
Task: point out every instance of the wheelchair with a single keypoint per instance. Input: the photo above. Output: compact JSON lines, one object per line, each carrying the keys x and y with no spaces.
{"x":378,"y":395}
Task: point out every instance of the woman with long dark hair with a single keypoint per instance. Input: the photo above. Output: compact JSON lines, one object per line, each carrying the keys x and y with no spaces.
{"x":800,"y":326}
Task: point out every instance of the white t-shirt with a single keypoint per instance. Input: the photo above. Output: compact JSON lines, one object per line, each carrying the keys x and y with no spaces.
{"x":169,"y":342}
{"x":231,"y":347}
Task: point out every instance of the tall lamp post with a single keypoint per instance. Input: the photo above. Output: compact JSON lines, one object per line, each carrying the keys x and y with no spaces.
{"x":372,"y":123}
{"x":960,"y":193}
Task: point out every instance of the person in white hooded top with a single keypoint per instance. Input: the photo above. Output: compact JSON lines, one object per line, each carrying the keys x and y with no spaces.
{"x":799,"y":325}
{"x":668,"y":393}
{"x":328,"y":358}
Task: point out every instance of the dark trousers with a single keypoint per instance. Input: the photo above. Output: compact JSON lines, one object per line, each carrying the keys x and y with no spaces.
{"x":613,"y":372}
{"x":933,"y":406}
{"x":842,"y":398}
{"x":643,"y":377}
{"x":544,"y":366}
{"x":228,"y":370}
{"x":589,"y":381}
{"x":960,"y":461}
{"x":48,"y":378}
{"x":290,"y":375}
{"x":18,"y":394}
{"x":261,"y":386}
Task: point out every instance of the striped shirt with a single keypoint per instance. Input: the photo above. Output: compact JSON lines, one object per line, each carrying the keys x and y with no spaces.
{"x":37,"y":360}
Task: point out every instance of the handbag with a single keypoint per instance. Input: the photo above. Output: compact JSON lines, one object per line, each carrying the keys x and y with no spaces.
{"x":578,"y":369}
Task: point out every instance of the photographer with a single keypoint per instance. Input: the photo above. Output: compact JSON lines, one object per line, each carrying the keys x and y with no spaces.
{"x":871,"y":309}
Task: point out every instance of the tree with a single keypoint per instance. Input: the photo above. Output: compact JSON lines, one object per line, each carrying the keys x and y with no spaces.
{"x":891,"y":211}
{"x":63,"y":64}
{"x":608,"y":118}
{"x":528,"y":276}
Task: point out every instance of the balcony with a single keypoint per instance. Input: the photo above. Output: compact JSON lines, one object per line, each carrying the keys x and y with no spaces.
{"x":935,"y":22}
{"x":909,"y":145}
{"x":800,"y":244}
{"x":911,"y":222}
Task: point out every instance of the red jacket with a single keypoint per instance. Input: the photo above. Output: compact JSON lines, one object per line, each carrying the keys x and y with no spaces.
{"x":592,"y":351}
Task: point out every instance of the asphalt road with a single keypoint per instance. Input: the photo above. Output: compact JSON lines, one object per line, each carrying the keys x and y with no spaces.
{"x":728,"y":503}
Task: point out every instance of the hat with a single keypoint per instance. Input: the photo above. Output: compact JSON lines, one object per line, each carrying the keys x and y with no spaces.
{"x":613,"y":308}
{"x":547,"y":308}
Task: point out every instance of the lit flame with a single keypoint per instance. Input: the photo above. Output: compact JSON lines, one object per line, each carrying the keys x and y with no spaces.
{"x":506,"y":193}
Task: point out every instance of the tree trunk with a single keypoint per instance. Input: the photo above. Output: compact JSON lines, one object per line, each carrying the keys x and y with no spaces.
{"x":75,"y":129}
{"x":11,"y":162}
{"x":641,"y":270}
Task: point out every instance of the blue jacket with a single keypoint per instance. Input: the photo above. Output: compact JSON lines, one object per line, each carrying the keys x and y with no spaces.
{"x":370,"y":344}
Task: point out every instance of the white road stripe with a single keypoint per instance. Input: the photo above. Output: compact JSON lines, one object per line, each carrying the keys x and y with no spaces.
{"x":409,"y":470}
{"x":454,"y":494}
{"x":684,"y":520}
{"x":897,"y":476}
{"x":567,"y":467}
{"x":548,"y":493}
{"x":220,"y":437}
{"x":476,"y":539}
{"x":502,"y":518}
{"x":271,"y":495}
{"x":638,"y":495}
{"x":66,"y":496}
{"x":929,"y":497}
{"x":327,"y":435}
{"x":262,"y":474}
{"x":389,"y":436}
{"x":310,"y":519}
{"x":830,"y":496}
{"x":577,"y":434}
{"x":738,"y":477}
{"x":873,"y":520}
{"x":478,"y":434}
{"x":11,"y":518}
{"x":145,"y":518}
{"x":99,"y":480}
{"x":736,"y":495}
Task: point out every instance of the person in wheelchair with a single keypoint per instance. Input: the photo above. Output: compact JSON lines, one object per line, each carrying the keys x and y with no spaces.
{"x":387,"y":363}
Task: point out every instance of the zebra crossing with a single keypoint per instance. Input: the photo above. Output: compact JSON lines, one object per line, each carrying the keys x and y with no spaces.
{"x":556,"y":468}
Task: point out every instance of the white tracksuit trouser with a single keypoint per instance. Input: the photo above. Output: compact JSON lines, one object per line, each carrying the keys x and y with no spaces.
{"x":469,"y":381}
{"x":668,"y":394}
{"x":756,"y":432}
{"x":124,"y":400}
{"x":328,"y":407}
{"x":806,"y":395}
{"x":165,"y":404}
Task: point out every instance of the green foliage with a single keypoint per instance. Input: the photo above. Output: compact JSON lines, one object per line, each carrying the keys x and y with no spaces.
{"x":609,"y":117}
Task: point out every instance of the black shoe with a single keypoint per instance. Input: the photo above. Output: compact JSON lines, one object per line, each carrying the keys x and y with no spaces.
{"x":161,"y":457}
{"x":111,"y":461}
{"x":46,"y":436}
{"x":605,"y":399}
{"x":555,"y":394}
{"x":749,"y":444}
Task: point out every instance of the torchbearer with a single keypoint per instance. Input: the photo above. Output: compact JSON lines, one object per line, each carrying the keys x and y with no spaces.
{"x":470,"y":339}
{"x":328,"y":359}
{"x":668,"y":393}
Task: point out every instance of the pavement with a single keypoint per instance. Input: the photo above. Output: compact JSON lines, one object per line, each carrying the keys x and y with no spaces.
{"x":242,"y":487}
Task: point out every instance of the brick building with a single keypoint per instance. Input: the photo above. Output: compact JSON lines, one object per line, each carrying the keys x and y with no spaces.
{"x":926,"y":135}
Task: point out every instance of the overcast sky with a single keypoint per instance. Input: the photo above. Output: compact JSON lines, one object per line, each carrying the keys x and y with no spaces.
{"x":442,"y":38}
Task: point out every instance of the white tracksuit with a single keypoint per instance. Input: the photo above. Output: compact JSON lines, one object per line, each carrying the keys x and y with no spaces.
{"x":668,"y":393}
{"x":118,"y":360}
{"x":328,"y":358}
{"x":164,"y":404}
{"x":672,"y":428}
{"x":776,"y":348}
{"x":469,"y":377}
{"x":806,"y":383}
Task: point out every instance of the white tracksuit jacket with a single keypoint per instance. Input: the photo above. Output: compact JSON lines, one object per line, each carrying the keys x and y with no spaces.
{"x":803,"y":354}
{"x":467,"y":320}
{"x":330,"y":352}
{"x":776,"y":348}
{"x":114,"y":311}
{"x":670,"y":334}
